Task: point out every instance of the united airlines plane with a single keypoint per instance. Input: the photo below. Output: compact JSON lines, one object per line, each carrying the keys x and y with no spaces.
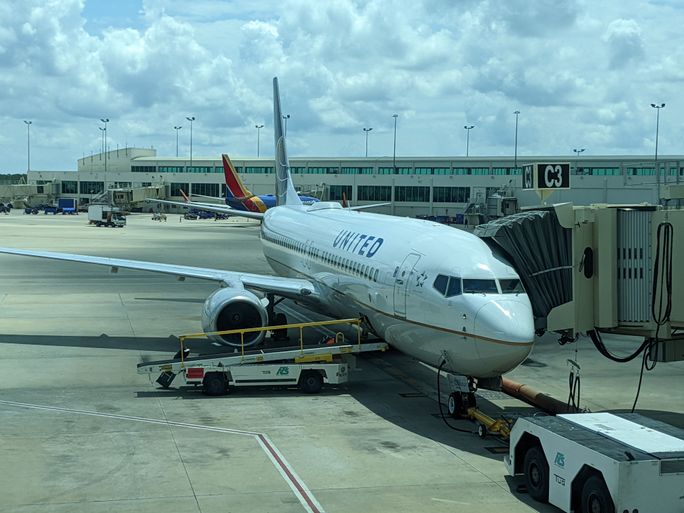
{"x":436,"y":293}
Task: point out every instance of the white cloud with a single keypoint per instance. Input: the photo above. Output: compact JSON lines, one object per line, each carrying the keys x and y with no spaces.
{"x":577,"y":70}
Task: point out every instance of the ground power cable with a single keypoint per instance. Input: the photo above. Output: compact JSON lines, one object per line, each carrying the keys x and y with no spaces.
{"x":662,"y":282}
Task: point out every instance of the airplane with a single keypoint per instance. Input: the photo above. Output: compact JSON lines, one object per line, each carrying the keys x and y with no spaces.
{"x":239,"y":197}
{"x":438,"y":294}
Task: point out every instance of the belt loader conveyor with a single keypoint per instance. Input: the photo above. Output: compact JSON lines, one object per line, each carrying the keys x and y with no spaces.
{"x":307,"y":367}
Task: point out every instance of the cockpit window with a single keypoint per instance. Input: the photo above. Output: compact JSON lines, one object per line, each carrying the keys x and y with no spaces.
{"x":511,"y":287}
{"x":441,"y":283}
{"x":473,"y":286}
{"x":454,"y":288}
{"x":448,"y":286}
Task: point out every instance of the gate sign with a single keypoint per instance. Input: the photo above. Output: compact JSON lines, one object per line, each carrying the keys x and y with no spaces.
{"x":547,"y":175}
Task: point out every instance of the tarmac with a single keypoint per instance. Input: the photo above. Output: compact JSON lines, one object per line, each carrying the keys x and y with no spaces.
{"x":81,"y":431}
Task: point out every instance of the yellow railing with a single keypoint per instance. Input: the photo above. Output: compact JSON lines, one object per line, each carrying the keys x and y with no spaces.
{"x":339,"y":337}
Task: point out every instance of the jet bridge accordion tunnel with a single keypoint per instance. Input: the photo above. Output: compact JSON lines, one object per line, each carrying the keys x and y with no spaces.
{"x":600,"y":268}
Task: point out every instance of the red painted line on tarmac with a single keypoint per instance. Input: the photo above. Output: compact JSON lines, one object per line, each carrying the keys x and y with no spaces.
{"x":303,"y":492}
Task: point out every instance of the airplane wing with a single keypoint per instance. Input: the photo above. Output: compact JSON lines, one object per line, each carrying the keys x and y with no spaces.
{"x":364,"y":207}
{"x":221,"y":209}
{"x":294,"y":288}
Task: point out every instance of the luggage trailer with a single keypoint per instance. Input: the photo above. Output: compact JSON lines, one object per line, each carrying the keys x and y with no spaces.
{"x":307,"y":367}
{"x":600,"y":462}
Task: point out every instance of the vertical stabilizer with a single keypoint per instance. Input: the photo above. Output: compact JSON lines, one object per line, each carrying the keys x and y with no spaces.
{"x":285,"y":191}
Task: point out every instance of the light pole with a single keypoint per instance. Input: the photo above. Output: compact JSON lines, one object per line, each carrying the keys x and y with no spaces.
{"x":102,"y":132}
{"x":468,"y":128}
{"x":191,"y":119}
{"x":176,"y":128}
{"x":577,"y":154}
{"x":258,"y":127}
{"x":28,"y":144}
{"x":394,"y":151}
{"x":657,"y":107}
{"x":515,"y":158}
{"x":105,"y":121}
{"x":286,"y":117}
{"x":366,"y":130}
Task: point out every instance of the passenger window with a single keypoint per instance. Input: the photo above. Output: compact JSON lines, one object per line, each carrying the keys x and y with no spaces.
{"x":375,"y":277}
{"x":440,"y":283}
{"x":454,"y":288}
{"x":473,"y":286}
{"x":511,"y":287}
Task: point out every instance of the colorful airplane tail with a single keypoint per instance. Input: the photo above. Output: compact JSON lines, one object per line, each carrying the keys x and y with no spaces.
{"x":285,"y":191}
{"x":236,"y":192}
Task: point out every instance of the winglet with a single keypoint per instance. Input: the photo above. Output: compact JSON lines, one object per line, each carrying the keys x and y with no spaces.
{"x":185,"y":196}
{"x":285,"y":191}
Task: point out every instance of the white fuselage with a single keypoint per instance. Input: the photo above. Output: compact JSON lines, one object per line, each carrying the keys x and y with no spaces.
{"x":385,"y":268}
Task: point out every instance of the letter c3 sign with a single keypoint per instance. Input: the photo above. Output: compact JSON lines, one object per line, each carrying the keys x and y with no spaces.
{"x":546,"y":175}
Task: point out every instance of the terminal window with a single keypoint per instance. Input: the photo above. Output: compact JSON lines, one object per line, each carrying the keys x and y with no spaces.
{"x":451,"y":194}
{"x":171,"y":169}
{"x":336,"y":192}
{"x":374,"y":193}
{"x":177,"y":187}
{"x":91,"y":187}
{"x":199,"y":169}
{"x":69,"y":187}
{"x":386,"y":171}
{"x":251,"y":169}
{"x":411,"y":193}
{"x":357,"y":170}
{"x":143,"y":169}
{"x":206,"y":189}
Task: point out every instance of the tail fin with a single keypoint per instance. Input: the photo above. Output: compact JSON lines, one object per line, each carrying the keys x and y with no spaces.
{"x":285,"y":191}
{"x":234,"y":187}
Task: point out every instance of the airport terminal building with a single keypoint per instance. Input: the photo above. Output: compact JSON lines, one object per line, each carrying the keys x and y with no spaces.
{"x":412,"y":185}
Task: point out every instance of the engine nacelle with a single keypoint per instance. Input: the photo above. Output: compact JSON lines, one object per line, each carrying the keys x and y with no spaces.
{"x":232,"y":309}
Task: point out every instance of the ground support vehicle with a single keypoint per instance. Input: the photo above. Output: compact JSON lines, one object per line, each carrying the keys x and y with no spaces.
{"x":67,"y":205}
{"x":305,"y":366}
{"x":105,"y":215}
{"x":600,"y":462}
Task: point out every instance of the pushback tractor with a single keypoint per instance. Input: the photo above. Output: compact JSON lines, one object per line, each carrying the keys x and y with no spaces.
{"x":308,"y":367}
{"x":600,"y":462}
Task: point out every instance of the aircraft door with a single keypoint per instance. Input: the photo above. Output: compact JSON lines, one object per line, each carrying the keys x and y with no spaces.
{"x":402,"y":277}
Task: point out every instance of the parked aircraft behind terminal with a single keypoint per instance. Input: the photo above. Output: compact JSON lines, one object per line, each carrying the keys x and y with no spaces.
{"x":434,"y":292}
{"x":238,"y":196}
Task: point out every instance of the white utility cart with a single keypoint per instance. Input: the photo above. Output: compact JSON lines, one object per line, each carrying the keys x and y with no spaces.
{"x":600,"y":462}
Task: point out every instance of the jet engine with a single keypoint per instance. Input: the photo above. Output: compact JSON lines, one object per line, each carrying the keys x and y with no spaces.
{"x":232,"y":309}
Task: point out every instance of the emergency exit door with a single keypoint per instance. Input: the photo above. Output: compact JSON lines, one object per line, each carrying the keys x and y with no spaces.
{"x":402,"y":278}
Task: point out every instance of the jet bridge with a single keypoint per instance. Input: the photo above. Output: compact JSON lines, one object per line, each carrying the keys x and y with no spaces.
{"x":600,"y":268}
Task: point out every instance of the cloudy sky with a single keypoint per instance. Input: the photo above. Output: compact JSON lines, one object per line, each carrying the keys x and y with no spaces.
{"x":582,"y":74}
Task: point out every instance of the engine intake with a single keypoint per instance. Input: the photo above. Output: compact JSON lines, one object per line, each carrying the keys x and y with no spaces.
{"x":232,"y":309}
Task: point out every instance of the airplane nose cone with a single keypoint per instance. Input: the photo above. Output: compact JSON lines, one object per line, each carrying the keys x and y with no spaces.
{"x":508,"y":321}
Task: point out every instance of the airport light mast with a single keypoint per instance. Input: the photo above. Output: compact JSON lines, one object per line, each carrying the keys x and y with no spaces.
{"x":515,"y":158}
{"x":105,"y":121}
{"x":28,"y":145}
{"x":191,"y":119}
{"x":176,"y":128}
{"x":366,"y":130}
{"x":394,"y":151}
{"x":258,"y":127}
{"x":657,"y":107}
{"x":468,"y":128}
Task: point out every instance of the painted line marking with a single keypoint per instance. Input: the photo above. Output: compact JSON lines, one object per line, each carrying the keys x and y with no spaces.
{"x":301,"y":491}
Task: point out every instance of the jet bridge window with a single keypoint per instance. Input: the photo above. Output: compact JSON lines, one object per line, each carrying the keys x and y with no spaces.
{"x":473,"y":286}
{"x":448,"y":286}
{"x":511,"y":287}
